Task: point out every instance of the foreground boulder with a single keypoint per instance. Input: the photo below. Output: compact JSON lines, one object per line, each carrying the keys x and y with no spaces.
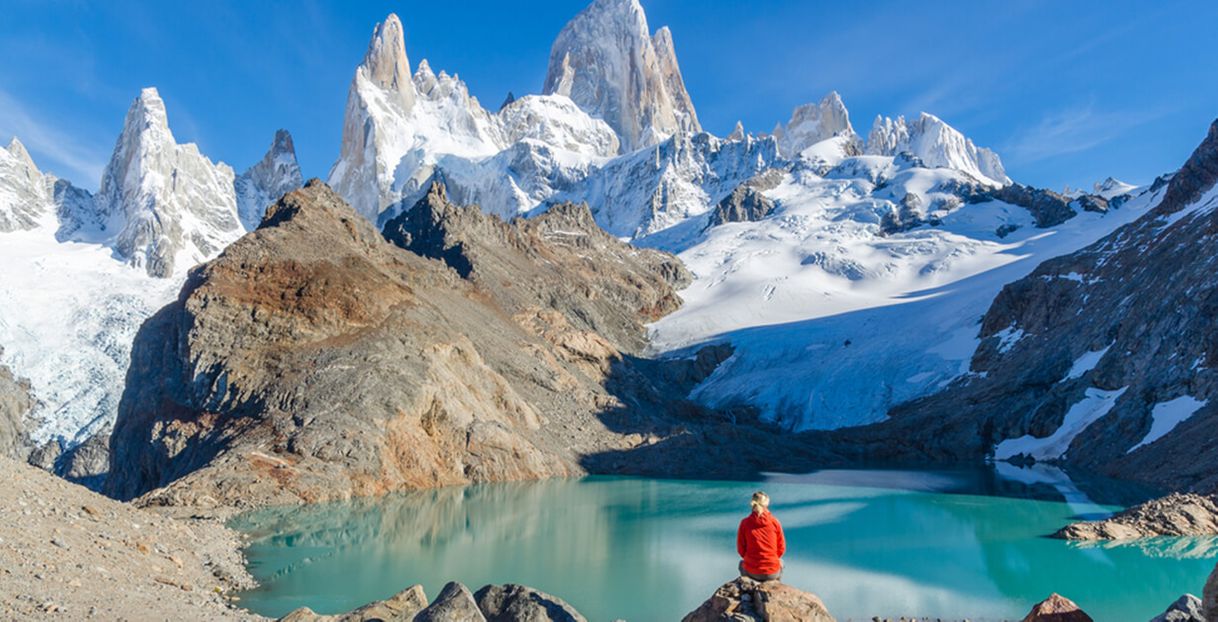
{"x":1186,"y":609}
{"x":1056,"y":608}
{"x":1178,"y":514}
{"x":519,"y":603}
{"x":1209,"y":598}
{"x":746,"y":600}
{"x":454,"y":604}
{"x":401,"y":607}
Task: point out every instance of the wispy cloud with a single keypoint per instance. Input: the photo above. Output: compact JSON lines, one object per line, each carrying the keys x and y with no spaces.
{"x":55,"y":150}
{"x":1073,"y":130}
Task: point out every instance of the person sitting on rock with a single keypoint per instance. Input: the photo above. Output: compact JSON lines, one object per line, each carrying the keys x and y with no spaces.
{"x":760,"y":542}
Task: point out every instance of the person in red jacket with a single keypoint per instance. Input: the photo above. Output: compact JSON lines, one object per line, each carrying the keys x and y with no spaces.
{"x":760,"y":542}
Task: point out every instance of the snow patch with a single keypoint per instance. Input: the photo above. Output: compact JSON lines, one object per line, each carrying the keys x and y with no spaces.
{"x":1095,"y":404}
{"x":1085,"y":363}
{"x":1166,"y":416}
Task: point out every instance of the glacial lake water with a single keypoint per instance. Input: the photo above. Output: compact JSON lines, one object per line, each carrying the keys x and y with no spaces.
{"x":949,"y":545}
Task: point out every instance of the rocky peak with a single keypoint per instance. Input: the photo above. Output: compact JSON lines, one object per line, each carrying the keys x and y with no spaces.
{"x":24,"y":191}
{"x":812,"y":123}
{"x":737,"y":132}
{"x":386,"y":64}
{"x":165,"y":205}
{"x":17,"y":150}
{"x":607,"y":61}
{"x":937,"y":144}
{"x":276,"y":174}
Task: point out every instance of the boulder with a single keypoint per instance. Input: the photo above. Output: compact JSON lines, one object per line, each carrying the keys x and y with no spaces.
{"x":746,"y":600}
{"x":454,"y":604}
{"x":401,"y":607}
{"x":1186,"y":609}
{"x":1056,"y":608}
{"x":519,"y":603}
{"x":1209,"y":597}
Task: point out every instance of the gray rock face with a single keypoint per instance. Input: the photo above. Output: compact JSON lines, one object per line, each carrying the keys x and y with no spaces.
{"x":315,"y":360}
{"x":1178,"y":514}
{"x":275,"y":175}
{"x":812,"y":123}
{"x":747,"y":203}
{"x":454,"y":604}
{"x":1209,"y":598}
{"x":1124,"y":324}
{"x":164,"y":204}
{"x":1049,"y":208}
{"x":15,"y":404}
{"x":1186,"y":609}
{"x":519,"y":603}
{"x":608,"y":63}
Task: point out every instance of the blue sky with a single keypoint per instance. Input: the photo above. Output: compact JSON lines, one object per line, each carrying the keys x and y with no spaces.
{"x":1066,"y":92}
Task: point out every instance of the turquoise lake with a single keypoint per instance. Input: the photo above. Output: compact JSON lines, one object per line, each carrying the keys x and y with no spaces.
{"x":887,"y":543}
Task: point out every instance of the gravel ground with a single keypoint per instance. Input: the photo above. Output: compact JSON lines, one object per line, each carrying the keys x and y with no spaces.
{"x":68,"y":553}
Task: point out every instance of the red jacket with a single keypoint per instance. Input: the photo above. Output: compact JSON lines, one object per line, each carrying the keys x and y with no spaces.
{"x":761,"y":544}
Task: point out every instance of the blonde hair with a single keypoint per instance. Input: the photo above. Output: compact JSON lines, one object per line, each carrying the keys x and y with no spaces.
{"x":760,"y":502}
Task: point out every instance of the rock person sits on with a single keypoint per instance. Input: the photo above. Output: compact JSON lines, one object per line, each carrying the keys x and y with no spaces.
{"x":760,"y":542}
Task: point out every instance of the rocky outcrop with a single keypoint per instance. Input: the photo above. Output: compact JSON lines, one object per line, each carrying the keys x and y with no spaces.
{"x":520,"y":603}
{"x":1056,"y":608}
{"x":1100,"y":359}
{"x":164,"y":205}
{"x":16,"y":402}
{"x":609,"y":64}
{"x":748,"y":202}
{"x":275,"y":175}
{"x":314,"y":360}
{"x":24,"y":191}
{"x":1186,"y":609}
{"x":745,"y":600}
{"x":1049,"y":208}
{"x":1178,"y":514}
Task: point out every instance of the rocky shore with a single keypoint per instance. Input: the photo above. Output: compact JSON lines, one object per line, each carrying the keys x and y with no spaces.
{"x":69,"y":553}
{"x":1177,"y":514}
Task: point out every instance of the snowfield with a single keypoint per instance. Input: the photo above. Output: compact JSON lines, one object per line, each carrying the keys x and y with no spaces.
{"x":835,"y":322}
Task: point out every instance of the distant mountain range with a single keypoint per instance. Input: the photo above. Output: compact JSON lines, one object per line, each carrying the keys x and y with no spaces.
{"x":849,"y":275}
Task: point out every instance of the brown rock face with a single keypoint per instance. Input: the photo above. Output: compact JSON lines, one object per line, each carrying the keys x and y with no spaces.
{"x":401,"y":607}
{"x":745,"y":600}
{"x":1056,"y":608}
{"x":313,"y":360}
{"x":1178,"y":514}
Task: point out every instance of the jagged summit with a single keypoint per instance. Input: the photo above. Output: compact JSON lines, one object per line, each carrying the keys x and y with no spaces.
{"x":275,"y":175}
{"x":937,"y":144}
{"x":165,"y":206}
{"x":812,"y":123}
{"x":386,"y":63}
{"x":606,"y":60}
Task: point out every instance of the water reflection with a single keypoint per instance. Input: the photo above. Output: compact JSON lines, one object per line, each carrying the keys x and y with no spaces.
{"x":653,"y":549}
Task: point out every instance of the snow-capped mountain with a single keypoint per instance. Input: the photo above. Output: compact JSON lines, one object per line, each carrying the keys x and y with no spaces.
{"x":848,"y":274}
{"x":25,"y":195}
{"x":163,"y":206}
{"x":608,"y":62}
{"x":82,"y":272}
{"x":813,"y":123}
{"x":397,"y":126}
{"x":275,"y":175}
{"x":937,"y":144}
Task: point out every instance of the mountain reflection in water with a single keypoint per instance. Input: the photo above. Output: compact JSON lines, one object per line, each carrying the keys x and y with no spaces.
{"x":887,"y":543}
